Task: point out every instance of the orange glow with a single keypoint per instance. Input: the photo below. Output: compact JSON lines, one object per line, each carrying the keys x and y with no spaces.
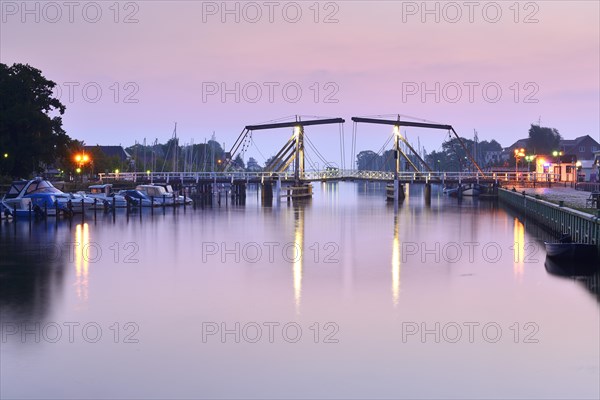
{"x":78,"y":158}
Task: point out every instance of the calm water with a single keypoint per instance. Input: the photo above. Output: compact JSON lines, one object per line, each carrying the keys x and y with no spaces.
{"x":342,"y":297}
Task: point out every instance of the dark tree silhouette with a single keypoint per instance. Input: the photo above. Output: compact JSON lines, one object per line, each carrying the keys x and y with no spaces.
{"x":31,"y":133}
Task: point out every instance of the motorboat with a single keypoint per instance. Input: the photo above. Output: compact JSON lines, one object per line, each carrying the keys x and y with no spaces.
{"x":105,"y":196}
{"x":79,"y":201}
{"x":35,"y":194}
{"x":177,"y":198}
{"x":158,"y":193}
{"x":137,"y":198}
{"x":37,"y":205}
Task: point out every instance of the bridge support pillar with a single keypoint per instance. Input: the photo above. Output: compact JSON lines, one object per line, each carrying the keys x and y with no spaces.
{"x":427,"y":193}
{"x":395,"y":192}
{"x":266,"y":193}
{"x":278,"y":190}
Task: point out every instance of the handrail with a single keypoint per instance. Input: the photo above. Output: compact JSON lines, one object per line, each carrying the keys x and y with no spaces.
{"x":525,"y":177}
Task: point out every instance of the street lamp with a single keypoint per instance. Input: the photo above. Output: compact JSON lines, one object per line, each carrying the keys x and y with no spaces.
{"x":519,"y":153}
{"x":81,"y":159}
{"x":529,"y":158}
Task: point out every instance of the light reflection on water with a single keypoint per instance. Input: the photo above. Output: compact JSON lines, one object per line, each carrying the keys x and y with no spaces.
{"x":372,"y":286}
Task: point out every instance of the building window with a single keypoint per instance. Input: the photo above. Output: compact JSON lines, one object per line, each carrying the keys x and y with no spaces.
{"x":581,"y":149}
{"x":594,"y":149}
{"x":569,"y":169}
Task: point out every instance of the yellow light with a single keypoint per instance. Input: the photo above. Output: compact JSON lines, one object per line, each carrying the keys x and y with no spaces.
{"x":5,"y":155}
{"x":555,"y":153}
{"x":85,"y":158}
{"x":78,"y":170}
{"x":78,"y":157}
{"x":116,"y":171}
{"x":396,"y":130}
{"x":541,"y":161}
{"x":296,"y":130}
{"x":148,"y":172}
{"x":218,"y":161}
{"x":578,"y":164}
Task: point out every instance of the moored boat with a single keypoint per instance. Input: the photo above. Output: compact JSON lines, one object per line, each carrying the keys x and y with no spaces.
{"x":158,"y":193}
{"x":35,"y":194}
{"x":565,"y":249}
{"x":105,"y":196}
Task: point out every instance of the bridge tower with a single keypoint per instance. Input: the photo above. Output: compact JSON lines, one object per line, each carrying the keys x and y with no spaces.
{"x":292,"y":151}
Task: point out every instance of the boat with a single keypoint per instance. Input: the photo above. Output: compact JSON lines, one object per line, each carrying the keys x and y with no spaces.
{"x":79,"y":201}
{"x":158,"y":193}
{"x":35,"y":194}
{"x":105,"y":196}
{"x":176,"y":198}
{"x":471,"y":189}
{"x":565,"y":249}
{"x":138,"y":198}
{"x":452,"y":191}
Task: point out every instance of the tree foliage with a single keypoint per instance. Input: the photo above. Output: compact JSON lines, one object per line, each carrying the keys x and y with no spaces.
{"x":543,"y":140}
{"x":31,"y":133}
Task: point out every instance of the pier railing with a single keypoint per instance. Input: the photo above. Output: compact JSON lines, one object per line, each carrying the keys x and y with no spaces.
{"x":348,"y":174}
{"x":583,"y":227}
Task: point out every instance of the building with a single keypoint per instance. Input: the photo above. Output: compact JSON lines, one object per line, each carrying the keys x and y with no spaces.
{"x":574,"y":160}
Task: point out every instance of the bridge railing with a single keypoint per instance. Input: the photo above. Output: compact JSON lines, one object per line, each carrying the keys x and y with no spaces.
{"x":436,"y":176}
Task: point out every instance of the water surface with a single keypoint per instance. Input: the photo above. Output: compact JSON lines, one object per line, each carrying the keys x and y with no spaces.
{"x":342,"y":297}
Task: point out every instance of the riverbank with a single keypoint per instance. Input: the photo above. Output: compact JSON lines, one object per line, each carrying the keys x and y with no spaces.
{"x":582,"y":226}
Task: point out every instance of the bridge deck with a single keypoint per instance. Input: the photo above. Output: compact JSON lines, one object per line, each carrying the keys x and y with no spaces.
{"x":330,"y":175}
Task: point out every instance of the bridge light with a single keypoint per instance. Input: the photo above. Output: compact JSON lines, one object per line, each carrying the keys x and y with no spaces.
{"x":297,"y":130}
{"x":116,"y":171}
{"x":5,"y":155}
{"x":396,"y":130}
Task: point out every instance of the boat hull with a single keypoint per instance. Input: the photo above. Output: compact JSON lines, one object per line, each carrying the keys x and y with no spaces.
{"x":571,"y":251}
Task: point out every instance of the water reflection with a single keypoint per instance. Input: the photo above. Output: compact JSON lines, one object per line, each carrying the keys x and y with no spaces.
{"x":82,"y":248}
{"x":396,"y":262}
{"x":519,"y":248}
{"x":298,"y":254}
{"x":32,"y":270}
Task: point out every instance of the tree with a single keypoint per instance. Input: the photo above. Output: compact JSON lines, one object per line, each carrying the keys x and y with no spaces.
{"x":252,"y":165}
{"x":542,"y":140}
{"x":30,"y":137}
{"x":238,"y":162}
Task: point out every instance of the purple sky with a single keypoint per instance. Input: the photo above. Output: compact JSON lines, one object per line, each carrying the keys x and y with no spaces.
{"x":371,"y":61}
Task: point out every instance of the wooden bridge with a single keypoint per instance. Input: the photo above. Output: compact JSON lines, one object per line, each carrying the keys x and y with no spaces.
{"x":191,"y":178}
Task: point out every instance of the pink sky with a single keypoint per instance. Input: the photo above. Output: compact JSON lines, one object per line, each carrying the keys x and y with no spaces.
{"x":373,"y":53}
